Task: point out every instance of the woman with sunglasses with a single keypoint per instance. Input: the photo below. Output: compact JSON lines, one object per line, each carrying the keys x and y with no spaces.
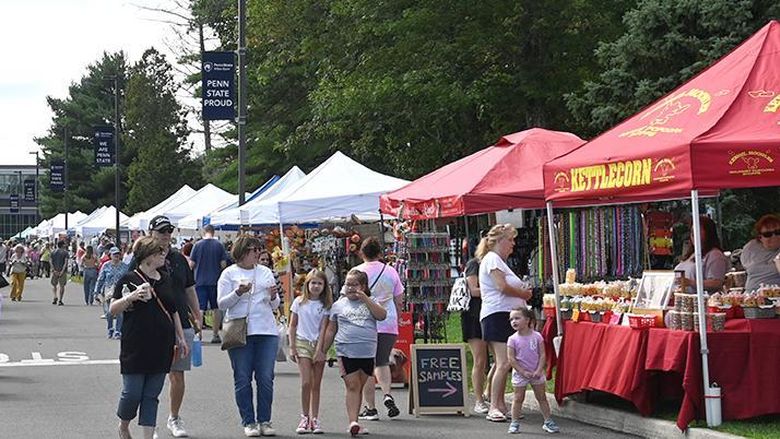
{"x":714,"y":262}
{"x":758,"y":256}
{"x":150,"y":331}
{"x":248,"y":289}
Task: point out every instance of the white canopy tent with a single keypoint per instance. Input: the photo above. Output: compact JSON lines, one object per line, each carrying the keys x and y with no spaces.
{"x":205,"y":200}
{"x":104,"y":219}
{"x":140,"y":221}
{"x":57,"y":224}
{"x":336,"y":189}
{"x":264,"y":202}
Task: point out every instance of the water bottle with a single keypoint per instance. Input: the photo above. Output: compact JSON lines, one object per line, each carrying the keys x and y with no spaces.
{"x":125,"y":292}
{"x":197,"y":352}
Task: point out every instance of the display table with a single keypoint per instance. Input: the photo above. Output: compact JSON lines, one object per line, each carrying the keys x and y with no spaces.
{"x":641,"y":366}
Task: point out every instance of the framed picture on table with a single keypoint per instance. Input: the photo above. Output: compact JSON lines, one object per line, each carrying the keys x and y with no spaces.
{"x":655,"y":289}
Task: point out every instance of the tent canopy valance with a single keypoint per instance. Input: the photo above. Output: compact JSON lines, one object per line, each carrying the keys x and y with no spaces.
{"x":506,"y":175}
{"x":336,"y":189}
{"x":719,"y":130}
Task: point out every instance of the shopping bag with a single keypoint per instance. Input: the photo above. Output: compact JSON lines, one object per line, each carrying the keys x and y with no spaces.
{"x":284,"y":343}
{"x":3,"y":281}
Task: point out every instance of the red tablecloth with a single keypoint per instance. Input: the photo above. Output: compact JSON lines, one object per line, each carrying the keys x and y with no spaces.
{"x":641,"y":365}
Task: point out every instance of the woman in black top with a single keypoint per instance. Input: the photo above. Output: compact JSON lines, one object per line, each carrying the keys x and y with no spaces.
{"x":472,"y":334}
{"x":150,"y":331}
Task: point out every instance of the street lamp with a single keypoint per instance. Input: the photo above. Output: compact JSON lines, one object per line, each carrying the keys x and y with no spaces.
{"x":37,"y":199}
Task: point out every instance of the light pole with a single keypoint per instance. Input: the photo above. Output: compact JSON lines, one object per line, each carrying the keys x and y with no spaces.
{"x":37,"y":200}
{"x":241,"y":98}
{"x":20,"y":192}
{"x":115,"y":80}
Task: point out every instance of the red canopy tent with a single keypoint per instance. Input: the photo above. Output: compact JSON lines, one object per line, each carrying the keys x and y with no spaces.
{"x":719,"y":130}
{"x":503,"y":176}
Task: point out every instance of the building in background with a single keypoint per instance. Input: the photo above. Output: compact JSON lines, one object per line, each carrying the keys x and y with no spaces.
{"x":12,"y":178}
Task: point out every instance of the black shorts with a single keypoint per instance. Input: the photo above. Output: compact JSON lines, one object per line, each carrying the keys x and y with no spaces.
{"x":469,"y":320}
{"x":496,"y":327}
{"x":351,"y":365}
{"x":384,"y":345}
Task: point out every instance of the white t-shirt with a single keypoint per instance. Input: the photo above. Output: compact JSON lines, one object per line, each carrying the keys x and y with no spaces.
{"x":310,"y":317}
{"x":493,"y":300}
{"x":260,"y":320}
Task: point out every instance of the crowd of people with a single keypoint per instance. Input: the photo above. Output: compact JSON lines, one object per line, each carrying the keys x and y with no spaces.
{"x":155,"y":298}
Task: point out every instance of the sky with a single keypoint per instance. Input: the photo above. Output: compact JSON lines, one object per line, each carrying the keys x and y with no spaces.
{"x":48,"y":44}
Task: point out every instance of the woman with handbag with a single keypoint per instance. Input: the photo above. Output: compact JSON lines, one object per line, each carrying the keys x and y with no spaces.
{"x":247,"y":292}
{"x":151,"y":333}
{"x":17,"y":267}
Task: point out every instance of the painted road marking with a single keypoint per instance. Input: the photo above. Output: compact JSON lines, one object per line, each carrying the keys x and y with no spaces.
{"x":67,"y":358}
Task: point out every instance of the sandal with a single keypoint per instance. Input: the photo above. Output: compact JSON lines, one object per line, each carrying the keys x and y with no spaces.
{"x":495,"y":415}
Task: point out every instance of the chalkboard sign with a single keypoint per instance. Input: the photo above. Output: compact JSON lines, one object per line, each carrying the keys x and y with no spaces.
{"x":439,"y":379}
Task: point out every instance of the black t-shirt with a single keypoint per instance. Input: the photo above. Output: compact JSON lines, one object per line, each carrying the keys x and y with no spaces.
{"x":472,"y":269}
{"x":148,"y":333}
{"x":177,"y":267}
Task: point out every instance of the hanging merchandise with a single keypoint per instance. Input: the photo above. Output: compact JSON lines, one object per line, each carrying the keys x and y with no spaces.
{"x":597,"y":243}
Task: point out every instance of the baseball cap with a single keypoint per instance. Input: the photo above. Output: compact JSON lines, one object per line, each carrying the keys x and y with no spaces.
{"x":161,"y":223}
{"x":114,"y":250}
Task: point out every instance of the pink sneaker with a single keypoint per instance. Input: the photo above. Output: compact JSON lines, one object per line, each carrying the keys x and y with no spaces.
{"x":355,"y":429}
{"x":315,"y":426}
{"x":303,"y":425}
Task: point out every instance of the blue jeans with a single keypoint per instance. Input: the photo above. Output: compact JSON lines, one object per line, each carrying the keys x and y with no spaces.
{"x":140,"y":390}
{"x":257,"y":359}
{"x":90,"y":279}
{"x":110,"y":318}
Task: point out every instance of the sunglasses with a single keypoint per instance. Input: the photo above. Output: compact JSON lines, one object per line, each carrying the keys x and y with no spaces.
{"x":770,"y":233}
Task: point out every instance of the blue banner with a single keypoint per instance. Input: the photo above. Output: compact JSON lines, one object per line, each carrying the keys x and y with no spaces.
{"x":14,"y":203}
{"x":104,"y":145}
{"x":218,"y":70}
{"x":57,"y":177}
{"x":29,"y":190}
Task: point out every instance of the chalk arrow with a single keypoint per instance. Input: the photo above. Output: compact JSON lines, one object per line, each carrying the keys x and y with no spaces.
{"x":449,"y":391}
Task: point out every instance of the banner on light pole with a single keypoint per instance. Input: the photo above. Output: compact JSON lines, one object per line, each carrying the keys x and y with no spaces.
{"x":57,"y":177}
{"x":29,"y":190}
{"x":104,"y":145}
{"x":218,"y":71}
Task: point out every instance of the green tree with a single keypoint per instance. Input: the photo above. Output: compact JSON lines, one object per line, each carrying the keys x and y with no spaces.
{"x":405,"y":86}
{"x":156,"y":129}
{"x":665,"y":43}
{"x":90,"y":102}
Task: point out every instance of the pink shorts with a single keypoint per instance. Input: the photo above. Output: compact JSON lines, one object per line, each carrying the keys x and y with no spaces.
{"x":519,"y":381}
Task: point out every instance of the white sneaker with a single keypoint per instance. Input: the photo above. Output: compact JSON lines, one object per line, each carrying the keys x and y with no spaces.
{"x":252,"y":430}
{"x":154,"y":435}
{"x":176,"y":427}
{"x":481,"y":407}
{"x":266,"y":429}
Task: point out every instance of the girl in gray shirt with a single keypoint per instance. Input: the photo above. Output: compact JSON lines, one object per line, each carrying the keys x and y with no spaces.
{"x":353,"y":326}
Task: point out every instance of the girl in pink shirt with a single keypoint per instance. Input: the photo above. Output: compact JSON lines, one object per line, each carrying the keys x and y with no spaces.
{"x":525,"y":349}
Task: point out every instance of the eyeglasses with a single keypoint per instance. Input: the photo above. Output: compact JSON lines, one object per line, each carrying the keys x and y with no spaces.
{"x":770,"y":233}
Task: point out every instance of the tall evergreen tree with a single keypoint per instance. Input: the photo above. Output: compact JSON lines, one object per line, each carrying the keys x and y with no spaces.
{"x":90,"y":102}
{"x":157,"y":130}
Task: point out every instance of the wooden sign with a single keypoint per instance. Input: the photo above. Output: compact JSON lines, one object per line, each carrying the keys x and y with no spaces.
{"x":439,"y":379}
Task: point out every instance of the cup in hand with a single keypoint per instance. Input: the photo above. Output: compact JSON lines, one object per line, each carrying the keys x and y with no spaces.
{"x":246,"y":282}
{"x":144,"y":291}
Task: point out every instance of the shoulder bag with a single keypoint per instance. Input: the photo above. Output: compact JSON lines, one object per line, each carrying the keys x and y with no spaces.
{"x":234,"y":330}
{"x":460,"y":298}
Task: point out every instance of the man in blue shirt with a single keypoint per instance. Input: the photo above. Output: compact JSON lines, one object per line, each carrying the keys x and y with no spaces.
{"x":208,"y":259}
